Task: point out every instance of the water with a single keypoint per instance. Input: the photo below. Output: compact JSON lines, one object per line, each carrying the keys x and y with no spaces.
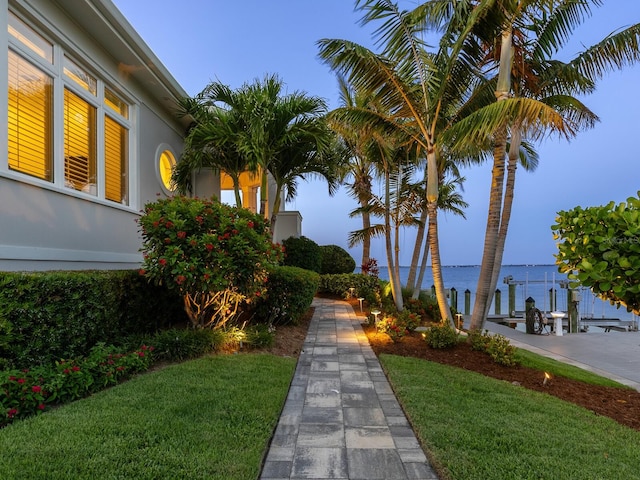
{"x":537,"y":281}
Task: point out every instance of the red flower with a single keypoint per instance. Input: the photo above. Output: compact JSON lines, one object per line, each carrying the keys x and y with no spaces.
{"x":199,"y":219}
{"x":206,"y":276}
{"x":167,"y":240}
{"x":168,"y":225}
{"x":20,"y":381}
{"x":209,"y":246}
{"x":250,"y":224}
{"x":193,"y":243}
{"x":156,"y":224}
{"x":142,"y":271}
{"x":36,"y":389}
{"x":234,"y":231}
{"x":140,"y":354}
{"x":12,"y":413}
{"x":75,"y":368}
{"x":41,"y":406}
{"x":182,"y":234}
{"x":162,"y":261}
{"x":180,"y":279}
{"x":66,"y":371}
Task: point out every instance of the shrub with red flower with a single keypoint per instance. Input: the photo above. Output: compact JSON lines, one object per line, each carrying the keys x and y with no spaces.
{"x":215,"y":255}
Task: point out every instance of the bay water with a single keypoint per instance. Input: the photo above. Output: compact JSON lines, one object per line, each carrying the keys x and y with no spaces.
{"x":532,"y":281}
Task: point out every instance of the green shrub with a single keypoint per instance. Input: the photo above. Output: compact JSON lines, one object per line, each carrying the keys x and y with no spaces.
{"x":46,"y":316}
{"x":501,"y":351}
{"x":336,"y":259}
{"x":302,"y":252}
{"x":215,"y":256}
{"x":364,"y":286}
{"x":290,"y":291}
{"x":30,"y":391}
{"x":441,"y":336}
{"x":178,"y":344}
{"x":496,"y":346}
{"x":260,"y":336}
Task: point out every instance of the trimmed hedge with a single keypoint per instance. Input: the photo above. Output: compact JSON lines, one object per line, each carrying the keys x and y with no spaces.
{"x":336,"y":259}
{"x":290,"y":291}
{"x":45,"y":316}
{"x":339,"y":284}
{"x":302,"y":252}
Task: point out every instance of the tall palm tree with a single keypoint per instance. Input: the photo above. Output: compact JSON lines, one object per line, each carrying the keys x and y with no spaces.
{"x":210,"y":143}
{"x":359,"y":170}
{"x":264,"y":130}
{"x":532,"y":34}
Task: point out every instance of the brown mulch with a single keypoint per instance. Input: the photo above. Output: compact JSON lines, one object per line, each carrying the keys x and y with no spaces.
{"x":620,"y":404}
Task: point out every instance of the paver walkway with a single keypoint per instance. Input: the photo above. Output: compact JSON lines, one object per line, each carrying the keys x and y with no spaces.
{"x":341,"y":419}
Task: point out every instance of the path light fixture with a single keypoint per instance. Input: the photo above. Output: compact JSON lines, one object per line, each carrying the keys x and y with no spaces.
{"x":360,"y":299}
{"x":375,"y":314}
{"x":351,"y":291}
{"x":547,"y":377}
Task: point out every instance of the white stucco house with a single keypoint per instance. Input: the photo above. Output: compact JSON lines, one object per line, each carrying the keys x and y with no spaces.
{"x":91,"y":136}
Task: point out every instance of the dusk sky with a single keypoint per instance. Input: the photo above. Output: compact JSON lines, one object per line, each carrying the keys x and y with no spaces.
{"x":237,"y":42}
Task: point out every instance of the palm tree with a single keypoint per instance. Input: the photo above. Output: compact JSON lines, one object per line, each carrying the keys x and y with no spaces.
{"x":259,"y":129}
{"x":210,"y":143}
{"x":359,"y":169}
{"x":552,"y":82}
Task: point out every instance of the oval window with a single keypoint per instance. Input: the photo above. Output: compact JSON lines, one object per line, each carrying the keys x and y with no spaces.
{"x":166,"y":164}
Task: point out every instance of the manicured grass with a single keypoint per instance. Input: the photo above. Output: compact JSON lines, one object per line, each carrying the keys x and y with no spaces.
{"x":477,"y":427}
{"x":559,"y":369}
{"x":208,"y":418}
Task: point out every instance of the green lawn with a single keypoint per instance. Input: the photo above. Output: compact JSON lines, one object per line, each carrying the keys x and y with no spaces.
{"x":210,"y":418}
{"x":477,"y":427}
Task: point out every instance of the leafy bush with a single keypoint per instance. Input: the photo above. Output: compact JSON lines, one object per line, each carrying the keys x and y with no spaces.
{"x":598,"y":247}
{"x":27,"y":392}
{"x":289,"y":294}
{"x":260,"y":336}
{"x":496,"y":346}
{"x":46,"y":316}
{"x":302,"y":252}
{"x":365,"y":286}
{"x":336,"y":259}
{"x":214,"y":255}
{"x":441,"y":336}
{"x":178,"y":344}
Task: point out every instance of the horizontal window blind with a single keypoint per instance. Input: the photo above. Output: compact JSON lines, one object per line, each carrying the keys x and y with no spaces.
{"x":115,"y":158}
{"x":30,"y":119}
{"x":79,"y":144}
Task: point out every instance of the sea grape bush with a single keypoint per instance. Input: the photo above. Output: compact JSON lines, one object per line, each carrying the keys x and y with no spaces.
{"x":599,"y":247}
{"x":214,"y":255}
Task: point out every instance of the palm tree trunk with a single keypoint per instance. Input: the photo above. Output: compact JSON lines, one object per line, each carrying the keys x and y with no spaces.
{"x":514,"y":151}
{"x":394,"y":279}
{"x":366,"y":240}
{"x":417,"y":249}
{"x":445,"y":311}
{"x":483,"y":291}
{"x":236,"y":191}
{"x":276,"y":210}
{"x":423,"y":269}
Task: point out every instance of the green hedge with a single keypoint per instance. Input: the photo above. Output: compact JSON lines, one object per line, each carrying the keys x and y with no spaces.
{"x":302,"y":252}
{"x":336,"y":259}
{"x":46,"y":316}
{"x":290,"y":291}
{"x":340,"y":284}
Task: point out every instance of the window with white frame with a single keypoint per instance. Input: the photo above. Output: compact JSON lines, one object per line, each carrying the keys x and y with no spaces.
{"x":95,"y":119}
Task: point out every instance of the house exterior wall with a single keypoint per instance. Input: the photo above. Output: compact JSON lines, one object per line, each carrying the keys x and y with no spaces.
{"x":46,"y":226}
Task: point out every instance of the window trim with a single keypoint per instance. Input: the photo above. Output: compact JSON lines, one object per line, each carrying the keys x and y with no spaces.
{"x":105,"y":80}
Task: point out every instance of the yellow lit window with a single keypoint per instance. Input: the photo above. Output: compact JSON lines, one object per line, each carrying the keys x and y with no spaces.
{"x":79,"y":144}
{"x":29,"y":120}
{"x":116,"y":163}
{"x":166,"y":165}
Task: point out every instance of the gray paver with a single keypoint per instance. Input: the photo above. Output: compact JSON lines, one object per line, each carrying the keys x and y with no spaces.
{"x":341,"y":419}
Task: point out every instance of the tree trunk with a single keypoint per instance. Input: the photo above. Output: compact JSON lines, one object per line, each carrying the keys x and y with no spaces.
{"x":483,"y":291}
{"x":366,"y":240}
{"x":236,"y":191}
{"x":417,"y":249}
{"x":514,"y":153}
{"x":394,"y":279}
{"x":445,"y":311}
{"x":423,"y":269}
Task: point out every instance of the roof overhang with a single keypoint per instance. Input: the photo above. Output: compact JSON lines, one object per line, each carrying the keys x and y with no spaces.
{"x":109,"y":27}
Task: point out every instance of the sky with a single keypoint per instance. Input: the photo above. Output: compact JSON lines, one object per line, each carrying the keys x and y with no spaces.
{"x":236,"y":42}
